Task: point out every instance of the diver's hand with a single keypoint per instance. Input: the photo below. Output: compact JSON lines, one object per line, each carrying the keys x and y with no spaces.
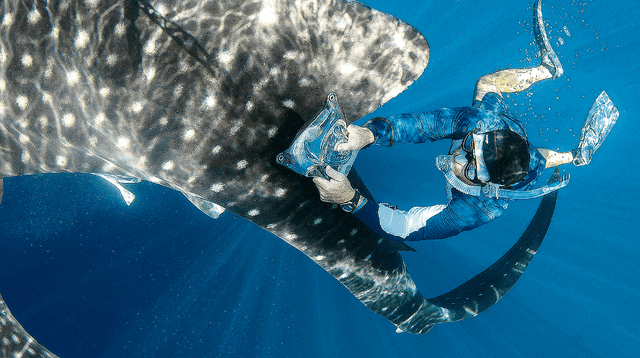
{"x":358,"y":138}
{"x":337,"y":190}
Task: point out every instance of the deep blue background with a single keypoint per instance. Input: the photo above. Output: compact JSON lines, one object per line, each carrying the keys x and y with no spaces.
{"x":88,"y":276}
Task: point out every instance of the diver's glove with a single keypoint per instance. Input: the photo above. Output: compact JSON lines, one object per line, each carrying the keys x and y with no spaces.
{"x":357,"y":138}
{"x":336,"y":190}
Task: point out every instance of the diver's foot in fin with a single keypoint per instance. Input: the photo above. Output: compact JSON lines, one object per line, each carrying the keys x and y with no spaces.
{"x":601,"y":118}
{"x":549,"y":58}
{"x":581,"y":157}
{"x":551,"y":61}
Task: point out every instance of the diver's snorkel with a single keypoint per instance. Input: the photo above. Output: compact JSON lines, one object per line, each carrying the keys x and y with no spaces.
{"x":492,"y":190}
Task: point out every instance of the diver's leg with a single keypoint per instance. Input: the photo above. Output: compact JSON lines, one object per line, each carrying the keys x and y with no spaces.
{"x":516,"y":80}
{"x":510,"y":80}
{"x":555,"y":158}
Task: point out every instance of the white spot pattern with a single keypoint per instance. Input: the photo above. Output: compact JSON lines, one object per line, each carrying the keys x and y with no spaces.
{"x":217,"y":187}
{"x":73,"y":77}
{"x":236,"y":127}
{"x":68,"y":119}
{"x":61,"y":161}
{"x":136,"y":107}
{"x":253,"y":212}
{"x":242,"y":164}
{"x":210,"y":101}
{"x":112,"y":59}
{"x":189,"y":135}
{"x":168,"y":165}
{"x":123,"y":142}
{"x":150,"y":73}
{"x":26,"y":60}
{"x":34,"y":16}
{"x":82,"y":39}
{"x":289,"y":103}
{"x":100,"y":118}
{"x":22,"y":101}
{"x":120,"y":29}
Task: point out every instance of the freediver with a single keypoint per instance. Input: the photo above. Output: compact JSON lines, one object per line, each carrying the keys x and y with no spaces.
{"x":490,"y":161}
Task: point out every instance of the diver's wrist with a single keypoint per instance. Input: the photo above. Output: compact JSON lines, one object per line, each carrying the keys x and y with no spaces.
{"x":356,"y":202}
{"x":371,"y":138}
{"x":363,"y":200}
{"x":368,"y":136}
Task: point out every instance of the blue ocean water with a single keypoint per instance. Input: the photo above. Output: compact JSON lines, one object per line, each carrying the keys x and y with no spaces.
{"x":88,"y":276}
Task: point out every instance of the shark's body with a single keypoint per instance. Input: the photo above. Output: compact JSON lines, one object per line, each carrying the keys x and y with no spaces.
{"x":201,"y":96}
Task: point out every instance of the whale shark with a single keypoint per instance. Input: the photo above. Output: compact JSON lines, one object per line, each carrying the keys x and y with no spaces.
{"x":200,"y":97}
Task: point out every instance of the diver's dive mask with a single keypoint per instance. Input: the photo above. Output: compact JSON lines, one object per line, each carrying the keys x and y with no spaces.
{"x":495,"y":162}
{"x":474,"y":167}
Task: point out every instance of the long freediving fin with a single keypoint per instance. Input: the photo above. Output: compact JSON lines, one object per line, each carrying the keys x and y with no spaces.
{"x":601,"y":118}
{"x":488,"y":287}
{"x":549,"y":57}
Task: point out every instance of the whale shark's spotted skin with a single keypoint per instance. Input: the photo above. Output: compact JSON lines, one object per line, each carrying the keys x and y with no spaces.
{"x":114,"y":87}
{"x":201,"y":96}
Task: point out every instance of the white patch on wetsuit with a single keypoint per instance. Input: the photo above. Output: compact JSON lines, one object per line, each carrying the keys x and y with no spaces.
{"x":402,"y":223}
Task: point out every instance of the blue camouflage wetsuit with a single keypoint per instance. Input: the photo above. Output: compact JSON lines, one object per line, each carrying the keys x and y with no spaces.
{"x":463,"y":212}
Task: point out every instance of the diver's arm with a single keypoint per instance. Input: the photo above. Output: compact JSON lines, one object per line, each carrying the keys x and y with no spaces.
{"x":510,"y":80}
{"x":463,"y":212}
{"x":555,"y":158}
{"x":444,"y":123}
{"x":391,"y":223}
{"x":422,"y":127}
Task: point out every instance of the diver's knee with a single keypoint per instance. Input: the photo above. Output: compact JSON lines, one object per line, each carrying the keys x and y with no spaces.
{"x":484,"y":85}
